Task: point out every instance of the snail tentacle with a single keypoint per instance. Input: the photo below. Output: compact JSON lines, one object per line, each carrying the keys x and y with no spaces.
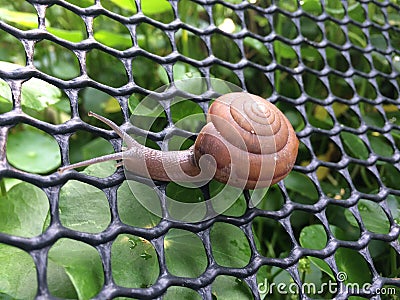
{"x":156,"y":164}
{"x":112,"y":156}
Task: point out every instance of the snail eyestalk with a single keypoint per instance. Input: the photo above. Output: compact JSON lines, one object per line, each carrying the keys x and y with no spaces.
{"x":113,"y":156}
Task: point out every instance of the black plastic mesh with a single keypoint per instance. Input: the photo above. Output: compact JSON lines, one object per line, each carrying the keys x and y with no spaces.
{"x":302,"y":74}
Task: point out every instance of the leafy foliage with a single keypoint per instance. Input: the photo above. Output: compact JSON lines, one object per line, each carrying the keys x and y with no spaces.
{"x":74,"y":268}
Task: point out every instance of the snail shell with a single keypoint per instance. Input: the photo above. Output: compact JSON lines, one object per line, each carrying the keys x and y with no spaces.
{"x":249,"y":136}
{"x":247,"y":142}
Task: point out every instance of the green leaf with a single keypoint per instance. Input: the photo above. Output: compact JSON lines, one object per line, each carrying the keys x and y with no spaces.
{"x":357,"y":39}
{"x":151,"y":7}
{"x":184,"y":253}
{"x":94,"y":100}
{"x":348,"y":261}
{"x":175,"y":292}
{"x":273,"y":200}
{"x":318,"y":233}
{"x":181,"y":109}
{"x":114,"y":40}
{"x":162,"y":74}
{"x":131,"y":211}
{"x":396,"y":63}
{"x":10,"y":182}
{"x":373,"y":216}
{"x":189,"y":79}
{"x":313,"y":6}
{"x":112,"y":106}
{"x":63,"y":106}
{"x":180,"y":195}
{"x":184,"y":71}
{"x":230,"y":247}
{"x":335,"y":11}
{"x":354,"y":265}
{"x":222,"y":194}
{"x":312,"y":274}
{"x":257,"y":45}
{"x":184,"y":194}
{"x":378,"y":41}
{"x":314,"y":237}
{"x":83,"y":207}
{"x":58,"y":281}
{"x":81,"y":263}
{"x":380,"y":145}
{"x":25,"y":19}
{"x":36,"y":93}
{"x":354,"y":145}
{"x":149,"y":108}
{"x":82,"y":3}
{"x":74,"y":36}
{"x":238,"y":208}
{"x":295,"y":119}
{"x":356,"y":12}
{"x":187,"y":115}
{"x":232,"y":288}
{"x":394,"y":206}
{"x":394,"y":18}
{"x":126,"y":4}
{"x":279,"y":276}
{"x":23,"y":210}
{"x":33,"y":151}
{"x":301,"y":184}
{"x":5,"y":297}
{"x":96,"y":148}
{"x":283,"y":50}
{"x":134,"y":262}
{"x":5,"y":91}
{"x":17,"y":273}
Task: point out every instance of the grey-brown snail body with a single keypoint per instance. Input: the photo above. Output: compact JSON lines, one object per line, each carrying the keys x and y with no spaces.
{"x":247,"y":142}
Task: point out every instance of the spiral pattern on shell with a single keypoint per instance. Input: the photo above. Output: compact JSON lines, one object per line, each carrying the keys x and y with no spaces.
{"x":251,"y":140}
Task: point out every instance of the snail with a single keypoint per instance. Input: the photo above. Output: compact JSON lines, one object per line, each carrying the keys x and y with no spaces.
{"x":247,"y":142}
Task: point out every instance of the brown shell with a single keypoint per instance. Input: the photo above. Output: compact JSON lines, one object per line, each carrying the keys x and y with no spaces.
{"x":251,"y":140}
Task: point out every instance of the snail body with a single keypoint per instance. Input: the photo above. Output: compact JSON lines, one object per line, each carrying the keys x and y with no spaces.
{"x":247,"y":142}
